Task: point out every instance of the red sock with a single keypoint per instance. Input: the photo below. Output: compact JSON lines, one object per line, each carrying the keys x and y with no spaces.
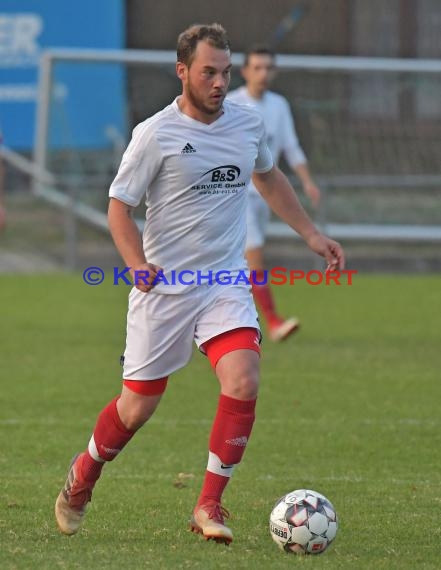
{"x":229,"y":436}
{"x":108,"y":439}
{"x":263,"y":296}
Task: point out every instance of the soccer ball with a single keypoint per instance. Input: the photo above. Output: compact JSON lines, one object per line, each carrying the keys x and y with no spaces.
{"x":303,"y":522}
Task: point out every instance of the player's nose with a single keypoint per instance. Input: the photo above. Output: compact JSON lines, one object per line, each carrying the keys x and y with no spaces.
{"x":220,"y":81}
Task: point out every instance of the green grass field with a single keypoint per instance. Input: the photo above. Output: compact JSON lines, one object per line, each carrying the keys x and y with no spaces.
{"x":349,"y":407}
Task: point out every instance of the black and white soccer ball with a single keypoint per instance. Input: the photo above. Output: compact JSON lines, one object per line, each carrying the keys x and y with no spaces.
{"x":303,"y":522}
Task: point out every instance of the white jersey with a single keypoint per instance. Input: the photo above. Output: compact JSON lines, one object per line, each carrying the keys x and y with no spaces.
{"x":194,"y":178}
{"x":279,"y":125}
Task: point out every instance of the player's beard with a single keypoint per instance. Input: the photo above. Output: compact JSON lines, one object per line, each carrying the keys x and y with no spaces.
{"x":199,"y":104}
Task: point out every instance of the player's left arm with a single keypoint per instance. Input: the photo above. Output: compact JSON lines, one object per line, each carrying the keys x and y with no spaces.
{"x":276,"y":190}
{"x":295,"y":156}
{"x":310,"y":188}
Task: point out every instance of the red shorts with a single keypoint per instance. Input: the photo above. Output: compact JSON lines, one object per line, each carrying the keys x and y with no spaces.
{"x":237,"y":339}
{"x":150,"y":388}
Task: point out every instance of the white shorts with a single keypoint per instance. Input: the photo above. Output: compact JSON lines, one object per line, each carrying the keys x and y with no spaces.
{"x":161,"y":328}
{"x":258,"y":215}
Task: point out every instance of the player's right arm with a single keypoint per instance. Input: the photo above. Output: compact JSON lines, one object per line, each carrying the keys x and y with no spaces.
{"x":139,"y":166}
{"x":127,"y":239}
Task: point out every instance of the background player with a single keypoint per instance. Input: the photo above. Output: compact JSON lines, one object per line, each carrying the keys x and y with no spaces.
{"x":259,"y":71}
{"x":194,"y":221}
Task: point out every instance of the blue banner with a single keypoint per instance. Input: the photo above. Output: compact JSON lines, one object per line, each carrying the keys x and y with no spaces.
{"x":86,"y":99}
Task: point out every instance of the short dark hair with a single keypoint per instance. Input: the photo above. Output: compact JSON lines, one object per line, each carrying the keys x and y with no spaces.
{"x":258,"y":49}
{"x":188,"y":40}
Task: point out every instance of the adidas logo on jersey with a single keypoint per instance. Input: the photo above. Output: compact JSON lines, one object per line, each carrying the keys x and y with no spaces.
{"x":188,"y":149}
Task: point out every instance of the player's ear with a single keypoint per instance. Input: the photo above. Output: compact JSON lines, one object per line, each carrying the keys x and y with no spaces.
{"x":181,"y":70}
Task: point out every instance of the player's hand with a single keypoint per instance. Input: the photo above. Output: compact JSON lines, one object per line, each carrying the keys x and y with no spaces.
{"x":313,"y":192}
{"x":331,"y":250}
{"x":144,"y":276}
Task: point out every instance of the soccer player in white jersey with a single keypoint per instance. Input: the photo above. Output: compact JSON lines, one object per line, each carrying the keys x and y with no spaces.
{"x":259,"y":71}
{"x":192,"y":163}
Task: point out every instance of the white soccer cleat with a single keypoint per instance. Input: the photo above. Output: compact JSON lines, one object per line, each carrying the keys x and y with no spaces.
{"x":284,"y":329}
{"x":70,"y":507}
{"x":208,"y":520}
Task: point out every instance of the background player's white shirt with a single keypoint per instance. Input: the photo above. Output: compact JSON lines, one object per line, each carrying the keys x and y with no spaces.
{"x":279,"y":125}
{"x":194,"y":178}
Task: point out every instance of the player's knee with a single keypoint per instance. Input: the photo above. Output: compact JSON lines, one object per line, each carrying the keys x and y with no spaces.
{"x":135,"y":419}
{"x":238,"y":373}
{"x":135,"y":410}
{"x":244,"y":386}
